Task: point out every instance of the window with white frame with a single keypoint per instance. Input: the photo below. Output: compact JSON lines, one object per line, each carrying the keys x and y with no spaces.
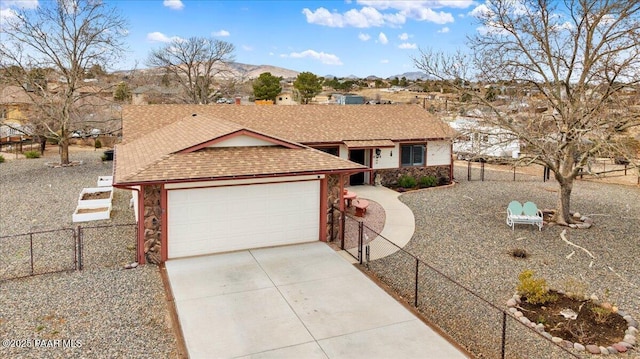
{"x":412,"y":155}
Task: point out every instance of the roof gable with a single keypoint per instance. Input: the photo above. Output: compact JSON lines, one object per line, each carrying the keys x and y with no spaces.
{"x":241,"y":138}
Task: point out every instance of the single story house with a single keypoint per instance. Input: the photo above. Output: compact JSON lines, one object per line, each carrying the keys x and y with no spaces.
{"x":221,"y":178}
{"x":477,"y":140}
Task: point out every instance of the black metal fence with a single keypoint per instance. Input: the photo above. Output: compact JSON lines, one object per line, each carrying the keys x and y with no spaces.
{"x":475,"y":171}
{"x":484,"y":329}
{"x":66,"y":249}
{"x":34,"y":253}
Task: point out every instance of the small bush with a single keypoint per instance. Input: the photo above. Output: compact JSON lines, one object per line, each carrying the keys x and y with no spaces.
{"x":103,"y":157}
{"x":1,"y":159}
{"x":535,"y":290}
{"x":601,"y":314}
{"x":406,"y":181}
{"x":442,"y":181}
{"x":32,"y":154}
{"x":98,"y":144}
{"x":575,"y":289}
{"x":427,"y":181}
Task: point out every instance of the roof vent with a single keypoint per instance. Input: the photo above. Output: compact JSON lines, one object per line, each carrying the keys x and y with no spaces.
{"x":194,"y":115}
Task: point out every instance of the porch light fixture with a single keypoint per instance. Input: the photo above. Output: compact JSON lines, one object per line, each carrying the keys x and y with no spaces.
{"x":378,"y":153}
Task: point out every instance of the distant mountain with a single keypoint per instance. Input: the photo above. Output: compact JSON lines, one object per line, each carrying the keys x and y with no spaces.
{"x":248,"y":72}
{"x":235,"y":69}
{"x":412,"y":76}
{"x":253,"y":71}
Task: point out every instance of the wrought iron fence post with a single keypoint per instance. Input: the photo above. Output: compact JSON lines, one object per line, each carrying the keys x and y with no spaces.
{"x":31,"y":249}
{"x":75,"y":249}
{"x":342,"y":229}
{"x":504,"y":332}
{"x":415,"y":299}
{"x":80,"y":249}
{"x":360,"y":241}
{"x":332,"y":219}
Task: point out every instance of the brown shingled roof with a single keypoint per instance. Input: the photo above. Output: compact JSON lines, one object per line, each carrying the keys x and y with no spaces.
{"x":234,"y":162}
{"x":306,"y":124}
{"x":178,"y":151}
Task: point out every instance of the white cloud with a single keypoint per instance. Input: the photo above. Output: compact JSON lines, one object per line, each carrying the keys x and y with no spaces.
{"x":327,"y":59}
{"x":247,"y":48}
{"x":6,"y":15}
{"x":382,"y":38}
{"x":384,"y":61}
{"x":444,"y":30}
{"x":271,"y":54}
{"x":322,"y":16}
{"x":480,"y":11}
{"x":363,"y":18}
{"x":393,"y":13}
{"x":23,"y":4}
{"x":160,"y":37}
{"x":427,"y":14}
{"x":173,"y":4}
{"x":403,"y":5}
{"x":418,"y":10}
{"x":221,"y":33}
{"x":404,"y":36}
{"x":407,"y":46}
{"x":364,"y":37}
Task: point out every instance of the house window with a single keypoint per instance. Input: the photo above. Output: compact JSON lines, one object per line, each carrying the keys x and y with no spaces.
{"x":412,"y":155}
{"x":330,"y":150}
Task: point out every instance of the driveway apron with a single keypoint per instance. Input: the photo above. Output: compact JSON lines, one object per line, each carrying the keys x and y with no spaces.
{"x":298,"y":301}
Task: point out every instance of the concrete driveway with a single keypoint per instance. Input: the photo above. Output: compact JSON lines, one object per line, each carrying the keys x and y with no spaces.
{"x":299,"y":301}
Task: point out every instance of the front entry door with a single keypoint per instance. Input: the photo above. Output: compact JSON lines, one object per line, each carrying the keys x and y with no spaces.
{"x":357,"y":156}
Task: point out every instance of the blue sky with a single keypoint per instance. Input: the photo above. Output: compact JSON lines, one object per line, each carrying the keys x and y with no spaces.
{"x":341,"y":38}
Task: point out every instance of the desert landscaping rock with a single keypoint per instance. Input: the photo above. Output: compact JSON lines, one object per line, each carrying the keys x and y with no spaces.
{"x":621,"y":348}
{"x":579,"y":347}
{"x":461,"y":231}
{"x":631,"y":339}
{"x":593,"y":349}
{"x":114,"y":313}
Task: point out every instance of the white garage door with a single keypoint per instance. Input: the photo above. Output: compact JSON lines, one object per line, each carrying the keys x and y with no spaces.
{"x":221,"y":219}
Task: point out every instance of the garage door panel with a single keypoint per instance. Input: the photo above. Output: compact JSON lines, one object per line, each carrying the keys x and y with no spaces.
{"x":218,"y":219}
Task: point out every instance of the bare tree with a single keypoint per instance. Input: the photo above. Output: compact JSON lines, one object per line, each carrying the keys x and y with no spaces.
{"x":575,"y":58}
{"x":68,"y":37}
{"x":194,"y":63}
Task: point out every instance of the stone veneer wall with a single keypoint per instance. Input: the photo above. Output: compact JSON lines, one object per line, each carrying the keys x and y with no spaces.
{"x":333,"y":198}
{"x":389,"y":177}
{"x":152,"y":223}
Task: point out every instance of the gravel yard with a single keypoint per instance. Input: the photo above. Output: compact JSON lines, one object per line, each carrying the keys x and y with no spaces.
{"x":461,"y":231}
{"x":102,"y":311}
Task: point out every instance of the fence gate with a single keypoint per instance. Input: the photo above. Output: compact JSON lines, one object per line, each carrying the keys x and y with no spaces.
{"x":34,"y":253}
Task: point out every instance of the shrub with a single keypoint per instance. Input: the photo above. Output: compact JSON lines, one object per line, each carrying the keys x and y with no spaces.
{"x":575,"y":289}
{"x":442,"y":181}
{"x":535,"y":290}
{"x":1,"y":159}
{"x":98,"y":144}
{"x":32,"y":154}
{"x":406,"y":181}
{"x":427,"y":181}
